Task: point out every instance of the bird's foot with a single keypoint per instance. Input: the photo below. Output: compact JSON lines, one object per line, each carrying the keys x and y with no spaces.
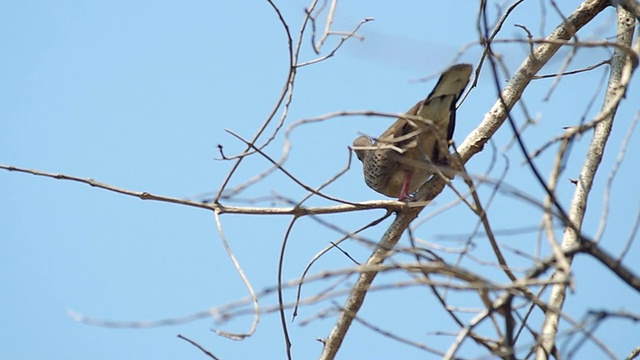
{"x":407,"y":198}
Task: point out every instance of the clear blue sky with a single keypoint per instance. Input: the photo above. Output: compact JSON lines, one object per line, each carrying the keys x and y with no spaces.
{"x":138,"y":94}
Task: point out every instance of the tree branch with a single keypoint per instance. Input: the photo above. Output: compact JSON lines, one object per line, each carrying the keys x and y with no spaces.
{"x":620,"y":70}
{"x":471,"y":146}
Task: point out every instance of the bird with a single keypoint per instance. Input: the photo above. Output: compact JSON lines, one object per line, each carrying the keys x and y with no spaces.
{"x":398,"y":162}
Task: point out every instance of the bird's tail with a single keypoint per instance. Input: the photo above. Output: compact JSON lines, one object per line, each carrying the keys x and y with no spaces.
{"x":452,"y":81}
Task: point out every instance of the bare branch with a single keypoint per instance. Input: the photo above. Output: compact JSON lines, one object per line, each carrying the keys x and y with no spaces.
{"x":621,"y":68}
{"x":472,"y":145}
{"x":205,"y":351}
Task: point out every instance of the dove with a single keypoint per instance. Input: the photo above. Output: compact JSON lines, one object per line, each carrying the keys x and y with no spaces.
{"x":398,"y":162}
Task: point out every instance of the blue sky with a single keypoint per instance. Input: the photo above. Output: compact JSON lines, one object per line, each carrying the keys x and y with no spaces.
{"x":138,"y":94}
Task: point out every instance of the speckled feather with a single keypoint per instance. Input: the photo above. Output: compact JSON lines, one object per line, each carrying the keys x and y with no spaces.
{"x":385,"y":169}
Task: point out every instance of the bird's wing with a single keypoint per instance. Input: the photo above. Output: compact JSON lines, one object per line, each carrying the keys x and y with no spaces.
{"x":396,"y":134}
